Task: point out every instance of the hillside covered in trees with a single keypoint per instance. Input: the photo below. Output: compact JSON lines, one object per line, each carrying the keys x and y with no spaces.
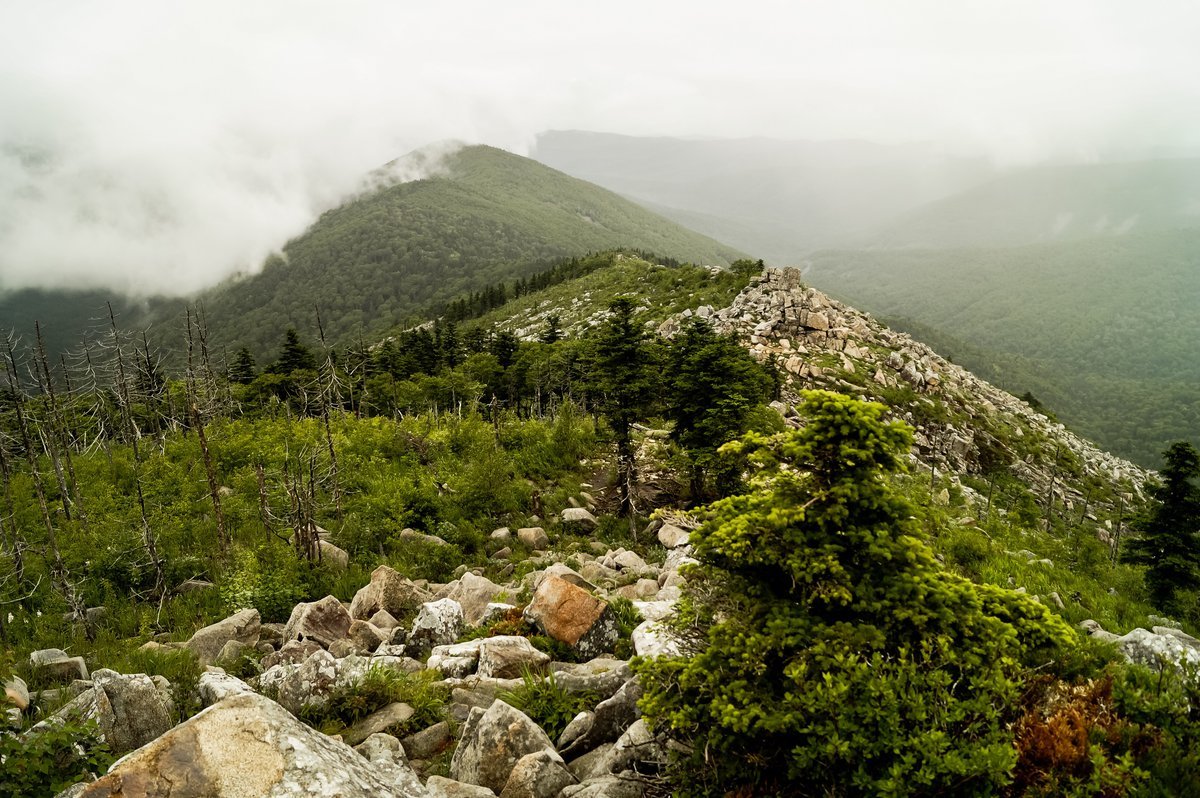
{"x":1101,"y":330}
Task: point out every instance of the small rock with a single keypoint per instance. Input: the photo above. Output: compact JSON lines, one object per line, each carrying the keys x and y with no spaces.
{"x":580,"y":518}
{"x":428,"y":743}
{"x":534,"y":537}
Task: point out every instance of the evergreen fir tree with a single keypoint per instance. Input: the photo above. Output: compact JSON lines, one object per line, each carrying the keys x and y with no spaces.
{"x":1170,"y":542}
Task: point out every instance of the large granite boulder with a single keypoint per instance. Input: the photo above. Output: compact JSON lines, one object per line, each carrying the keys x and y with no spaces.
{"x":571,"y":615}
{"x":473,"y":593}
{"x":207,"y":643}
{"x":247,"y":746}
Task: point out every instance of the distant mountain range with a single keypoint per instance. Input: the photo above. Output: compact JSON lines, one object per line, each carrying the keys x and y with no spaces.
{"x":777,"y":199}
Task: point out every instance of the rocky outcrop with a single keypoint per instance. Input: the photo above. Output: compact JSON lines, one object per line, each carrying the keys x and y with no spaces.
{"x":819,"y":342}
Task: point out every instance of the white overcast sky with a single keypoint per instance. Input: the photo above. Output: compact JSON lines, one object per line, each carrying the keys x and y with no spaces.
{"x":161,"y":145}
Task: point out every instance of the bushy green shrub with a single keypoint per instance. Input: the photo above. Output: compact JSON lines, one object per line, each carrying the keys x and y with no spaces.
{"x":829,"y":652}
{"x":267,"y":578}
{"x":45,"y":764}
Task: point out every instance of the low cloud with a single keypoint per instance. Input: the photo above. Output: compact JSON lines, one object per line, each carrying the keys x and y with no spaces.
{"x":160,"y":147}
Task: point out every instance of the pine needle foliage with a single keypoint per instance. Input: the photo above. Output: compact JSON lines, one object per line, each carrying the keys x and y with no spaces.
{"x":830,"y":654}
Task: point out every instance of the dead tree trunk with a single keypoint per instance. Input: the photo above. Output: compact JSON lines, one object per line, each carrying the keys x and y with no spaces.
{"x":58,"y":569}
{"x":210,"y":472}
{"x":149,"y":540}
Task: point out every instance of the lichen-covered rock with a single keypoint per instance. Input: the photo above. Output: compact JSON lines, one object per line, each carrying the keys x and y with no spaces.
{"x":492,"y":743}
{"x":571,"y":615}
{"x":320,"y":621}
{"x":307,"y":684}
{"x":138,"y":708}
{"x":438,"y":623}
{"x":1157,"y":651}
{"x":217,"y":685}
{"x":654,"y":639}
{"x":207,"y":643}
{"x":247,"y":746}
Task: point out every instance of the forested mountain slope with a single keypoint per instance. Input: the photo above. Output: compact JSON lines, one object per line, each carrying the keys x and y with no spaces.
{"x":1055,"y":203}
{"x":481,"y":216}
{"x":1103,"y":330}
{"x":381,"y":258}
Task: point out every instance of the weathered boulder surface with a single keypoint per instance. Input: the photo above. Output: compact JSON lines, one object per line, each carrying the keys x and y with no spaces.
{"x":493,"y":742}
{"x":438,"y":623}
{"x":139,"y":708}
{"x":389,"y":591}
{"x":538,"y":775}
{"x":246,"y":746}
{"x":322,"y":621}
{"x":672,"y":537}
{"x":53,"y":664}
{"x":207,"y":643}
{"x":508,"y":657}
{"x":571,"y":615}
{"x":534,"y":537}
{"x":473,"y":593}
